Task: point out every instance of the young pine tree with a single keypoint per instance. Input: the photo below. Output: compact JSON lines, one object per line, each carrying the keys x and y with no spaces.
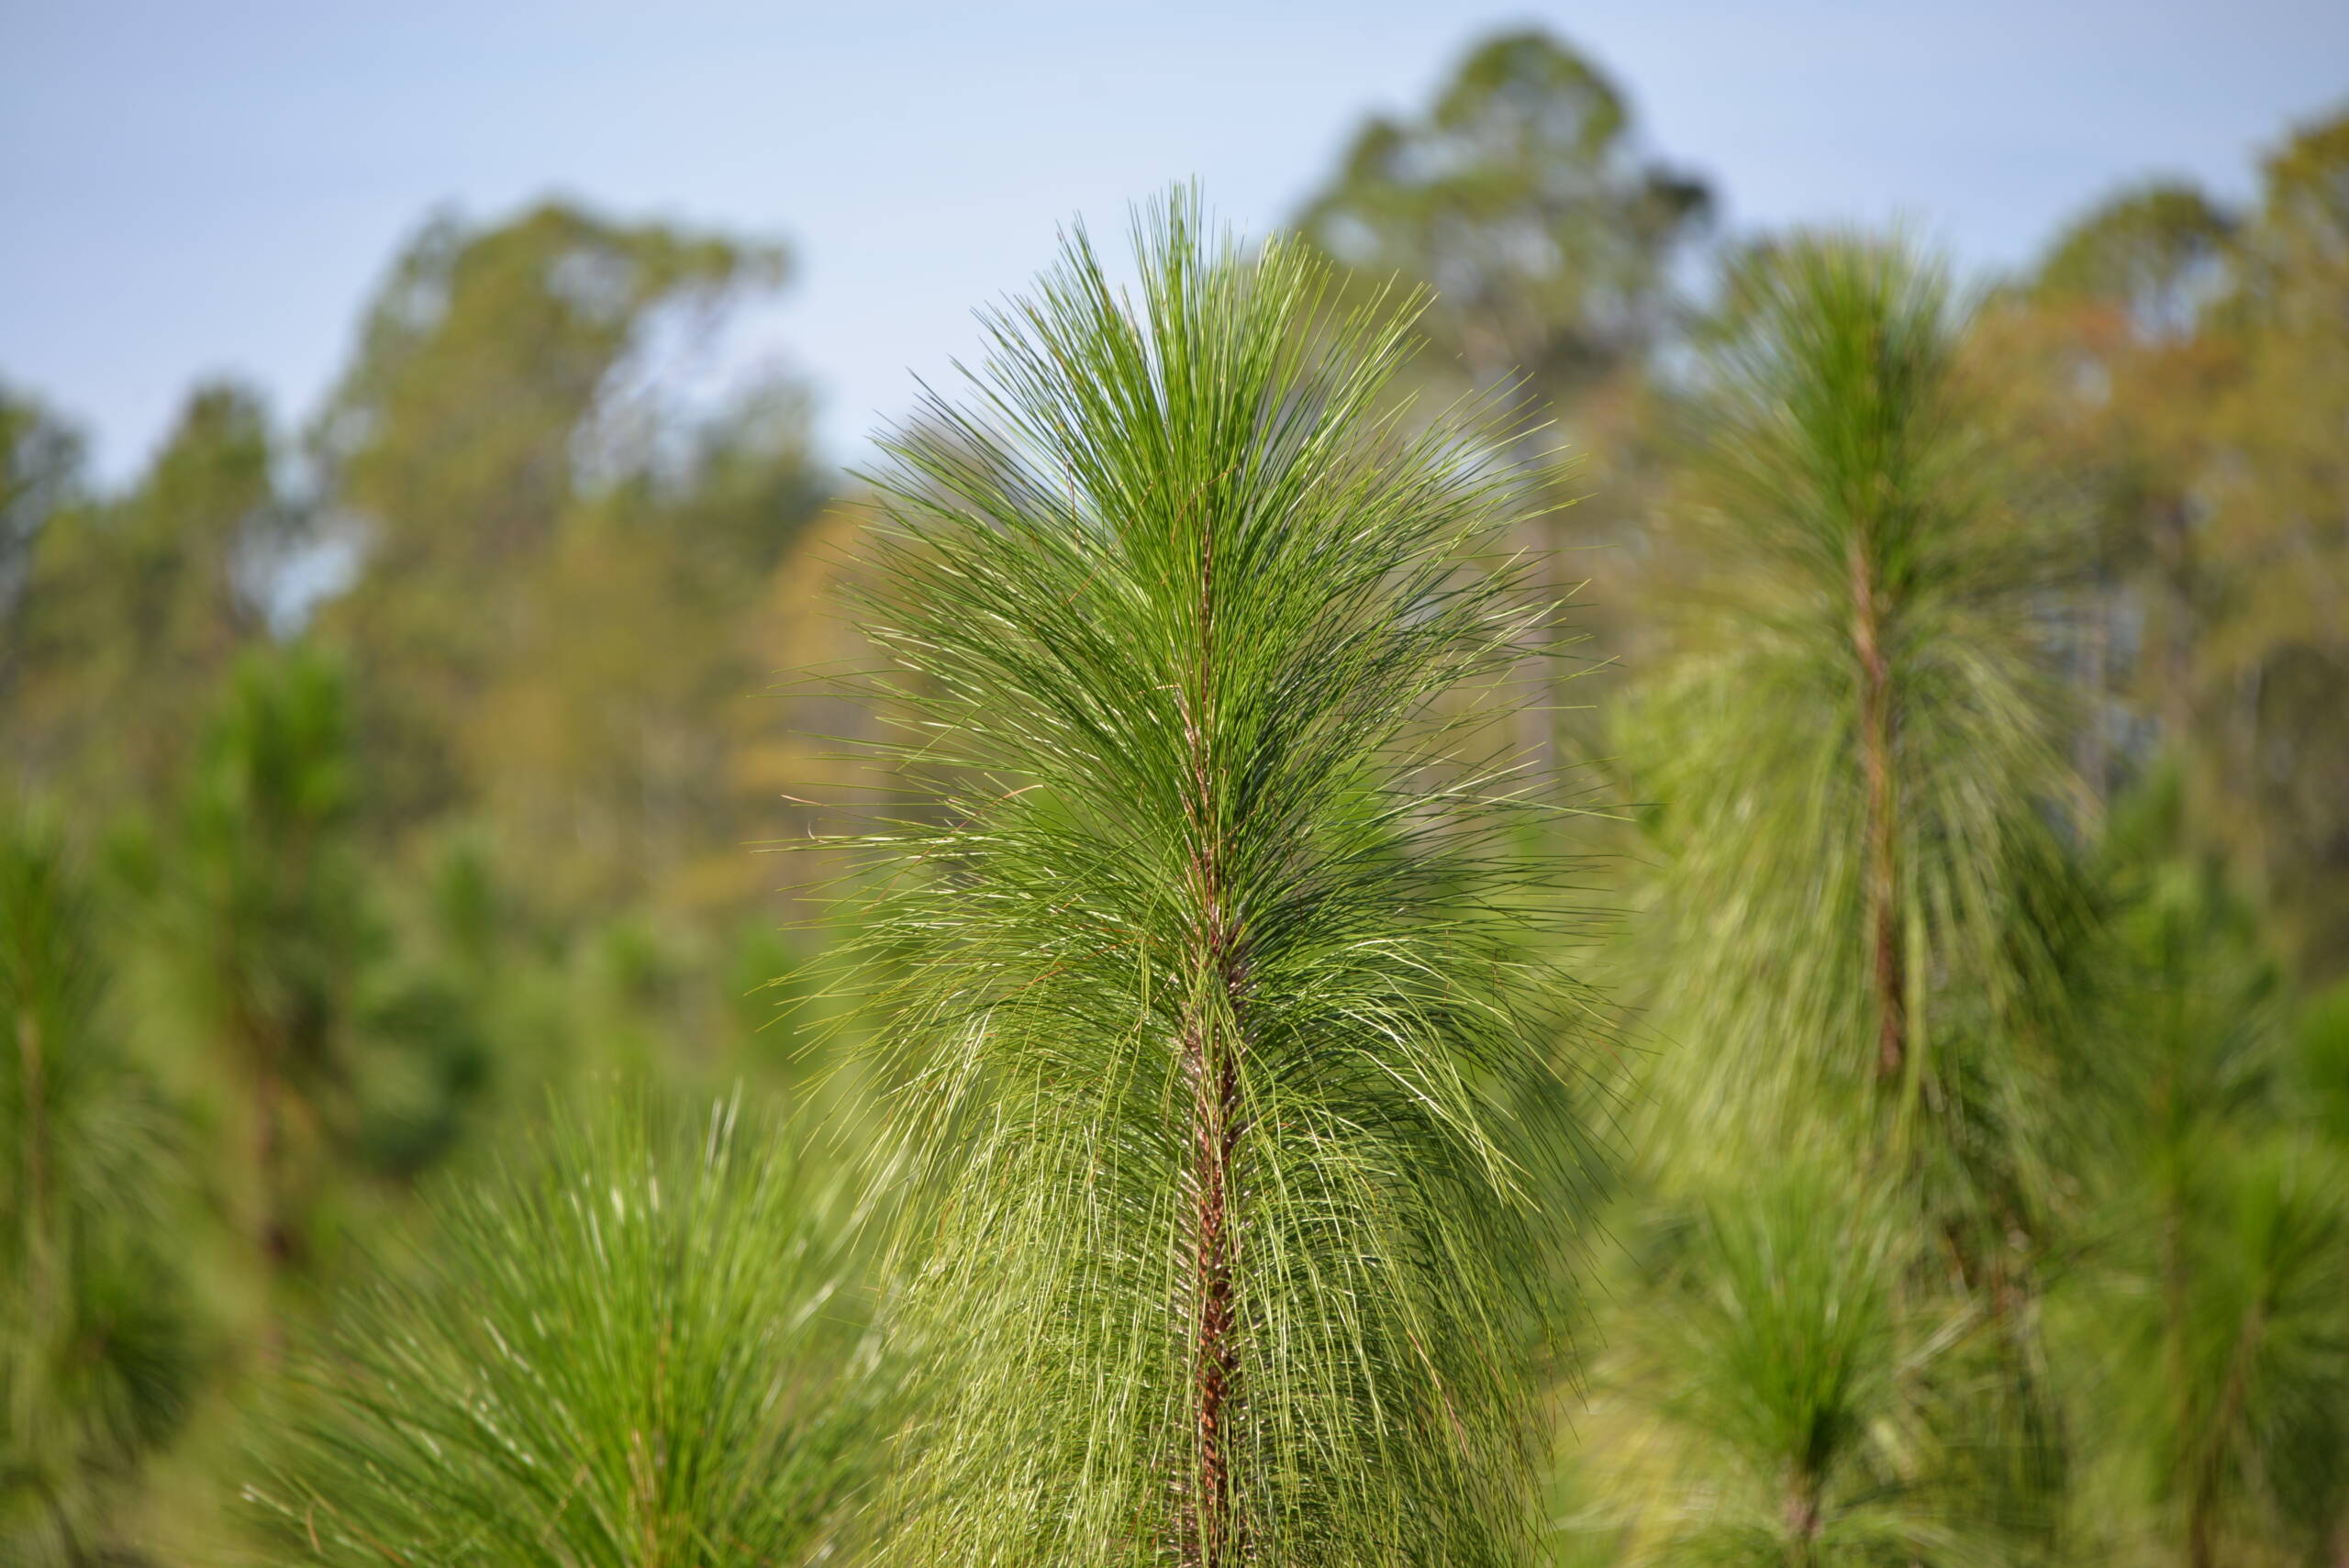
{"x":97,"y":1352}
{"x":1778,"y":1399}
{"x":640,"y":1346}
{"x":1863,"y":904}
{"x":1227,"y":1066}
{"x":1859,"y":918}
{"x":2207,"y":1328}
{"x":262,"y":920}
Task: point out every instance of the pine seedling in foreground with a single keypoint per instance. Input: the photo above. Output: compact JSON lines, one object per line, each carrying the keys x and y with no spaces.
{"x":1236,"y":1152}
{"x":642,"y":1346}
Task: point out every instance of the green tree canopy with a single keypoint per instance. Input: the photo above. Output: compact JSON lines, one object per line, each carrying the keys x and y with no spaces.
{"x":139,"y":606}
{"x":2273,"y":654}
{"x":41,"y":472}
{"x":2158,"y":253}
{"x":498,"y":392}
{"x":1523,"y":199}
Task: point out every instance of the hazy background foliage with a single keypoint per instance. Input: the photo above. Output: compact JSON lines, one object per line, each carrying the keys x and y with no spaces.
{"x":1959,"y":738}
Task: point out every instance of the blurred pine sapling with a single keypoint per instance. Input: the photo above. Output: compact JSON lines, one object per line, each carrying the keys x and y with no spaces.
{"x":261,"y":919}
{"x":642,"y":1346}
{"x":1226,"y":1063}
{"x":98,"y":1352}
{"x":1862,"y":922}
{"x":1777,"y":1398}
{"x":1864,"y":906}
{"x":2205,"y":1326}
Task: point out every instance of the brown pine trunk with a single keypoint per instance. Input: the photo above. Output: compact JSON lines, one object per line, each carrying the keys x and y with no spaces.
{"x":1212,"y":1044}
{"x":273,"y":1234}
{"x":1882,"y":875}
{"x":269,"y":1145}
{"x":1216,"y":1131}
{"x":2202,"y":1497}
{"x":32,"y":1064}
{"x":2096,"y":756}
{"x":2172,"y":541}
{"x":1802,"y":1519}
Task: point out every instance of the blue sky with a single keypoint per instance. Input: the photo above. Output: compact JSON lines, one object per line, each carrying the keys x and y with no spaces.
{"x":190,"y":189}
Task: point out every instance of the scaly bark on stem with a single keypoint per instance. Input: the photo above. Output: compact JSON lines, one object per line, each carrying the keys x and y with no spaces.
{"x":1216,"y":1132}
{"x":1210,"y":1528}
{"x":1882,"y":885}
